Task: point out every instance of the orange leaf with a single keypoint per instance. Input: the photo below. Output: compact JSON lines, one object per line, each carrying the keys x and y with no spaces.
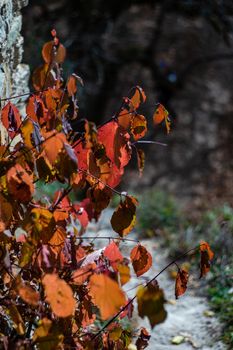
{"x":181,"y":282}
{"x":138,"y":97}
{"x":141,"y":259}
{"x":28,"y":294}
{"x":162,"y":114}
{"x":20,"y":183}
{"x":59,"y":295}
{"x":106,"y":294}
{"x":113,"y":254}
{"x":72,"y":84}
{"x":42,"y":78}
{"x":57,"y":241}
{"x":124,"y":217}
{"x":52,"y":145}
{"x":206,"y":257}
{"x":53,"y":53}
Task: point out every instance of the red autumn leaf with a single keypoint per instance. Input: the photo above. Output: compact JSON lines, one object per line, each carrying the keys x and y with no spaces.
{"x":124,"y":217}
{"x":82,"y":154}
{"x":59,"y":295}
{"x":36,"y":110}
{"x":53,"y":53}
{"x":10,"y":118}
{"x":181,"y":282}
{"x":106,"y":294}
{"x":81,"y":214}
{"x":116,"y":142}
{"x":162,"y":114}
{"x":113,"y":254}
{"x":20,"y":183}
{"x":141,"y":259}
{"x":206,"y":257}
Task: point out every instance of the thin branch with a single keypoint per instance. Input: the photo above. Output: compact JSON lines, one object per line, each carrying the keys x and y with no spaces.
{"x":22,"y":95}
{"x":108,"y":237}
{"x":147,"y":141}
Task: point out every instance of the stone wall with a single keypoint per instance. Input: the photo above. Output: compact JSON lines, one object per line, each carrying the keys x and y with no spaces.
{"x":14,"y":75}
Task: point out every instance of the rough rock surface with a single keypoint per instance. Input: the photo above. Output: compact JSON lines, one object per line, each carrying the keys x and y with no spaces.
{"x":13,"y":74}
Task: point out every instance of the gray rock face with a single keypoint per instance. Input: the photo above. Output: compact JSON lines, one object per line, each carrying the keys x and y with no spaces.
{"x":13,"y":74}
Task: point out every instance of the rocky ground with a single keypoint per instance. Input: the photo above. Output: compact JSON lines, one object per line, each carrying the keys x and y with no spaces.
{"x":190,"y":323}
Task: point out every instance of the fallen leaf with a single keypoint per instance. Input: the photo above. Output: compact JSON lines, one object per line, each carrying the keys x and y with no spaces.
{"x":177,"y":340}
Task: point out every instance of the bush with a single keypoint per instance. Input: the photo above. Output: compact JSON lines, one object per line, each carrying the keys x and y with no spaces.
{"x":57,"y":290}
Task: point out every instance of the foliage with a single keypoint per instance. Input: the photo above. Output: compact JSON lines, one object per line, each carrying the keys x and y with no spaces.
{"x":57,"y":291}
{"x":161,"y":212}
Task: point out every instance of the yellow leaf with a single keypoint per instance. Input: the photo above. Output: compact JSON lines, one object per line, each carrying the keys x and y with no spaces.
{"x":151,"y":304}
{"x":124,"y":217}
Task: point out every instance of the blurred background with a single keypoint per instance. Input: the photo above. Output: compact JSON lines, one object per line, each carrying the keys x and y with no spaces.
{"x":180,"y":52}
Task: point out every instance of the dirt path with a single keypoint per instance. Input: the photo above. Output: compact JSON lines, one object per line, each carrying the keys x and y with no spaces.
{"x":186,"y":317}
